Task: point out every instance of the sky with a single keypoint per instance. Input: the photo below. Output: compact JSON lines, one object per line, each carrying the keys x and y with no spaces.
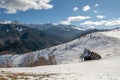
{"x":83,"y":13}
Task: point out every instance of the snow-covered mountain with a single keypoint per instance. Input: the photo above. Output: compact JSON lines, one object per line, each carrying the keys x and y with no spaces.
{"x":51,"y":25}
{"x":18,"y":38}
{"x":10,"y":22}
{"x":104,"y":43}
{"x":65,"y":32}
{"x":5,"y":22}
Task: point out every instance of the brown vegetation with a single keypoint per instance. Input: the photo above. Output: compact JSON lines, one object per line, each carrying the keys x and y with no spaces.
{"x":23,"y":76}
{"x":30,"y":61}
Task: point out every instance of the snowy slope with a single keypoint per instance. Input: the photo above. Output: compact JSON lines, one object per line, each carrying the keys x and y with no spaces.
{"x":113,"y":33}
{"x":107,"y":69}
{"x":100,"y":42}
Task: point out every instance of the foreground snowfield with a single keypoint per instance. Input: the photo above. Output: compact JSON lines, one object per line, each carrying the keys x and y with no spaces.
{"x":106,"y":69}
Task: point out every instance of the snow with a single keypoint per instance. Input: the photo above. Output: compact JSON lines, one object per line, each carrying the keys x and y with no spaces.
{"x":70,"y":52}
{"x":5,"y":22}
{"x":69,"y":63}
{"x":114,"y":33}
{"x":64,"y":29}
{"x":107,"y":69}
{"x":78,"y":28}
{"x":19,"y":29}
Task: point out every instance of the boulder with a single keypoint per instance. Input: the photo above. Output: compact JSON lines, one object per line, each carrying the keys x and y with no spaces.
{"x":90,"y":55}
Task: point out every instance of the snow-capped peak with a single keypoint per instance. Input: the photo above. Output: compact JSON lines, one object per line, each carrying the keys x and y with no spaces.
{"x":9,"y":22}
{"x":5,"y":22}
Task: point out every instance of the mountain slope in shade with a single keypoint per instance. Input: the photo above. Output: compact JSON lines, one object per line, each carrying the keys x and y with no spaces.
{"x":17,"y":38}
{"x":70,"y":52}
{"x":20,"y":39}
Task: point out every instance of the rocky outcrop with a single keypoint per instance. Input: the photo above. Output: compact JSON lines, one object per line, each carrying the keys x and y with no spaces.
{"x":90,"y":55}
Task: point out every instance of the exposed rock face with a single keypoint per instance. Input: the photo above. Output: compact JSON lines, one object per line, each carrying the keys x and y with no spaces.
{"x":90,"y":55}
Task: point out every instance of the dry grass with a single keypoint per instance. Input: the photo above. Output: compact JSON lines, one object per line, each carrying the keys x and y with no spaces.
{"x":2,"y":78}
{"x":24,"y":76}
{"x":41,"y":60}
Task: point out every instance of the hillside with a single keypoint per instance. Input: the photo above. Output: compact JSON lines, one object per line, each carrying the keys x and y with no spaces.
{"x":70,"y":52}
{"x":107,"y":69}
{"x":18,"y":39}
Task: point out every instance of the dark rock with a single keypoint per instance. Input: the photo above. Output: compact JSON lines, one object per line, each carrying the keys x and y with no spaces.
{"x":90,"y":55}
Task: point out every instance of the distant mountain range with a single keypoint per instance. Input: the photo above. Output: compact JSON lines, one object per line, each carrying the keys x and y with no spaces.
{"x":64,"y":32}
{"x":18,"y":38}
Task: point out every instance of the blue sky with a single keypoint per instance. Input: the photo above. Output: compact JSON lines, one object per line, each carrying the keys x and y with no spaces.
{"x":85,"y":13}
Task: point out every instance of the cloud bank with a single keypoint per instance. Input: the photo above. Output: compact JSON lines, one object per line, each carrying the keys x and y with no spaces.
{"x":73,"y":19}
{"x":12,"y":6}
{"x":112,"y":22}
{"x":100,"y":16}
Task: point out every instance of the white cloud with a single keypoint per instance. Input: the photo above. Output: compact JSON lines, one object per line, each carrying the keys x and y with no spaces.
{"x":75,"y":9}
{"x":74,"y":19}
{"x":77,"y":18}
{"x":96,"y":5}
{"x":95,"y":11}
{"x":91,"y":27}
{"x":100,"y":16}
{"x":86,"y":8}
{"x":111,"y":22}
{"x":12,"y":6}
{"x":94,"y":23}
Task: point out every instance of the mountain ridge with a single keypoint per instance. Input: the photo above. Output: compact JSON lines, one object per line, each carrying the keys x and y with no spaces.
{"x":32,"y":38}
